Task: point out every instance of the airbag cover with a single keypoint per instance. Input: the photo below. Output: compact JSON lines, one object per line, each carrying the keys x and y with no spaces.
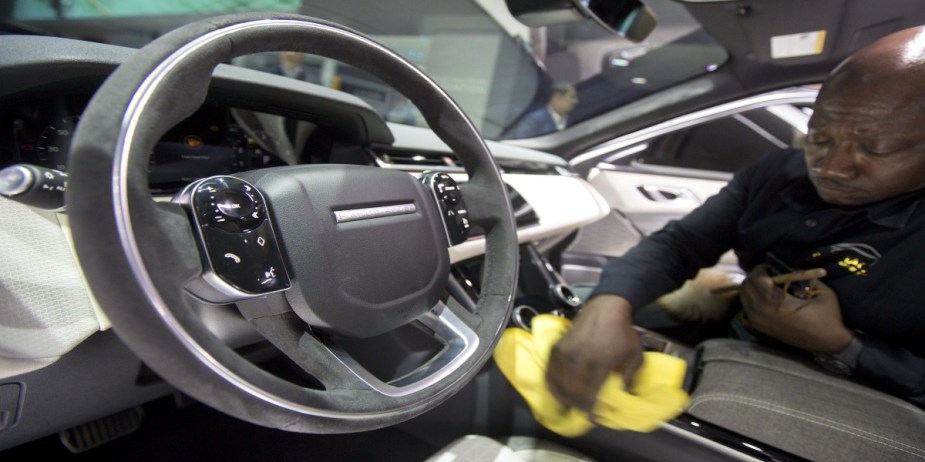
{"x":379,"y":266}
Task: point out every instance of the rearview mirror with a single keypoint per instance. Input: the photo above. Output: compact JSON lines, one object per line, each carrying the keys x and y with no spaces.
{"x":630,"y":19}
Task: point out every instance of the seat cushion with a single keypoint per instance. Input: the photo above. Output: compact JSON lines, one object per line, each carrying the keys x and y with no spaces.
{"x":787,"y":402}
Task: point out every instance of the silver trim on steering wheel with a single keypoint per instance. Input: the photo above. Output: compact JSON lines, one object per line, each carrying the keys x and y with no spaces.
{"x":459,"y":342}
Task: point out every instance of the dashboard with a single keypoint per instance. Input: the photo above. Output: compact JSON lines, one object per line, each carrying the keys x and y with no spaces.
{"x":73,"y":367}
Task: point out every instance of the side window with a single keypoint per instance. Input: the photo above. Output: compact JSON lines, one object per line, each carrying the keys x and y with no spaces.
{"x":729,"y":143}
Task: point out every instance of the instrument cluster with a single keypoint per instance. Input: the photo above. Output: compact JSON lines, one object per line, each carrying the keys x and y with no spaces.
{"x":210,"y":142}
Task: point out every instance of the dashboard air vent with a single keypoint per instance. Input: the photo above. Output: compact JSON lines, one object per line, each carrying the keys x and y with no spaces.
{"x":412,"y":159}
{"x":416,"y":160}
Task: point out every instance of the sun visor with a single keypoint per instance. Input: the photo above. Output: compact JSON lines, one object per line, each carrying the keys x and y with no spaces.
{"x":793,"y":32}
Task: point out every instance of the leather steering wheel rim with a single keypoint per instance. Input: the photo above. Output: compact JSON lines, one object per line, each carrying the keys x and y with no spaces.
{"x":139,"y":255}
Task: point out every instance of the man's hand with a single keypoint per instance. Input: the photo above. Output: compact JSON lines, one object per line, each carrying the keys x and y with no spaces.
{"x":813,"y":324}
{"x":601,"y":340}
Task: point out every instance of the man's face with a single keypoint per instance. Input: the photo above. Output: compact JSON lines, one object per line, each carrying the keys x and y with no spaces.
{"x":563,"y":103}
{"x":866,"y":144}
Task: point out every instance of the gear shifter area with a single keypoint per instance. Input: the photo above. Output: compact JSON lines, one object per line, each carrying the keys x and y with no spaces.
{"x":544,"y":286}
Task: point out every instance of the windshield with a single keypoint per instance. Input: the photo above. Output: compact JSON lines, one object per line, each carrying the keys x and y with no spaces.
{"x":513,"y":81}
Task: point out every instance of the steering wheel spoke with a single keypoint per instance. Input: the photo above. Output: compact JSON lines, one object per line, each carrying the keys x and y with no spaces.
{"x":459,"y":342}
{"x":481,"y":201}
{"x":164,"y":225}
{"x":322,"y":356}
{"x":287,"y":332}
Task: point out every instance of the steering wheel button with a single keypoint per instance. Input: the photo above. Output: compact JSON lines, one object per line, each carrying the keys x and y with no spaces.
{"x":449,"y":200}
{"x":229,"y":204}
{"x":248,"y":261}
{"x":234,"y":203}
{"x":452,"y":197}
{"x":241,"y":256}
{"x":270,"y":279}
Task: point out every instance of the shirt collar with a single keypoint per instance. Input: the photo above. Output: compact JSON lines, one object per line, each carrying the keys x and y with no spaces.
{"x":800,"y":195}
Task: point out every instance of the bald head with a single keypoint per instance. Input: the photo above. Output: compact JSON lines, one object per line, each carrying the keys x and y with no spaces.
{"x":900,"y":50}
{"x":865,"y":142}
{"x":893,"y":64}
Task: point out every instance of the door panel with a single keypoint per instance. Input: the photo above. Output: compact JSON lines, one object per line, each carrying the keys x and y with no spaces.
{"x":667,"y":176}
{"x":650,"y":200}
{"x":651,"y":180}
{"x":640,"y":203}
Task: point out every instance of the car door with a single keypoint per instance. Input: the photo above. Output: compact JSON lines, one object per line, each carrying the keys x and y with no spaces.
{"x":665,"y":171}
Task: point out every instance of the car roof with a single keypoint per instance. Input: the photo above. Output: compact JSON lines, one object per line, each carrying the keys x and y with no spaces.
{"x":752,"y":33}
{"x":771,"y":45}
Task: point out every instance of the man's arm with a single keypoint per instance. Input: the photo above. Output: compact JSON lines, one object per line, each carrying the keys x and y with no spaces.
{"x":661,"y":262}
{"x":816,"y":325}
{"x":602,"y":338}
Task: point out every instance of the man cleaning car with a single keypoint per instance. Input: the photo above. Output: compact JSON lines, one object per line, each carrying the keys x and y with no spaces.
{"x":849,"y":203}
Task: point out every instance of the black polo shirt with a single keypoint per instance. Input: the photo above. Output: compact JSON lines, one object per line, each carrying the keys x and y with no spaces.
{"x":874,"y":256}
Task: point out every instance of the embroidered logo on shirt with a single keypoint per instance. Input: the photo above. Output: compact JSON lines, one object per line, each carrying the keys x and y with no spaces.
{"x":847,"y":258}
{"x":854,"y":265}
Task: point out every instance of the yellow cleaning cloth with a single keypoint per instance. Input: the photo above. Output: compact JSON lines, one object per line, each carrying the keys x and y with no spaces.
{"x":656,"y":395}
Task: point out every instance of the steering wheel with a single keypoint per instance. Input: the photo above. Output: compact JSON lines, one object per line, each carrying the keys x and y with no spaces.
{"x":307,"y":254}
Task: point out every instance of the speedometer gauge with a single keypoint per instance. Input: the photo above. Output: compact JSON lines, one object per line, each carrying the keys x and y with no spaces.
{"x":53,"y":144}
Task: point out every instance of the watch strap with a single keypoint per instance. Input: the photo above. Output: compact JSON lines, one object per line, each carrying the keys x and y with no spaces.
{"x":844,"y":362}
{"x":849,"y":355}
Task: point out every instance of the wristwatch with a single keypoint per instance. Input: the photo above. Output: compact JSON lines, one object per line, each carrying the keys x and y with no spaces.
{"x":844,"y":362}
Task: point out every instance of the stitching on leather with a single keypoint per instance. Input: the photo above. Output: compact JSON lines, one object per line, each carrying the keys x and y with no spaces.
{"x":912,"y":450}
{"x":831,"y":381}
{"x":793,"y":373}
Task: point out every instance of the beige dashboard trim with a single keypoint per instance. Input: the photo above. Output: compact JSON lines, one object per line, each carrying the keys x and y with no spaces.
{"x":562,"y":203}
{"x":65,"y":224}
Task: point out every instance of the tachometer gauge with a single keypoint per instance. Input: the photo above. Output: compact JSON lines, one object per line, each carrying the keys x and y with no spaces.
{"x":54,"y":143}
